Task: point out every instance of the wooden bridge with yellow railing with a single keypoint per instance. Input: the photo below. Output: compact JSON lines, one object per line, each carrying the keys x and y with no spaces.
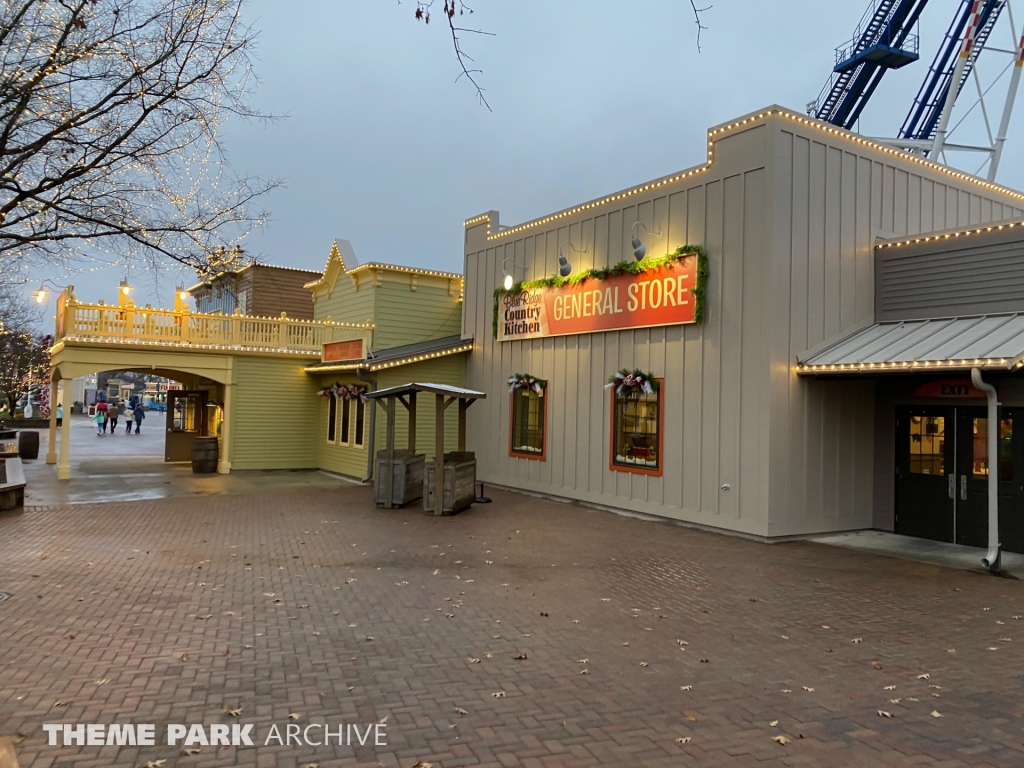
{"x":125,"y":324}
{"x":236,"y":362}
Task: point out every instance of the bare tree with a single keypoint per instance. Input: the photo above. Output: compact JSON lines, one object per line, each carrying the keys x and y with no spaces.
{"x":109,"y":117}
{"x":451,"y":8}
{"x":24,"y":360}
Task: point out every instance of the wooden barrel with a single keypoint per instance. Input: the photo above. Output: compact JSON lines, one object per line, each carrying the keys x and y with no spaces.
{"x":28,"y":444}
{"x":204,"y":455}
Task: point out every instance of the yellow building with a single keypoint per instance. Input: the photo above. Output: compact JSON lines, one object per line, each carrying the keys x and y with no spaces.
{"x":253,"y":382}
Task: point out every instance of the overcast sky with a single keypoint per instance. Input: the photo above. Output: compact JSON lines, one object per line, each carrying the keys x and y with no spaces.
{"x":381,"y":146}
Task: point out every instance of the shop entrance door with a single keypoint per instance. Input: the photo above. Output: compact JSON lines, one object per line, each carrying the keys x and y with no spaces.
{"x":186,"y":420}
{"x":925,"y":472}
{"x":942,"y":475}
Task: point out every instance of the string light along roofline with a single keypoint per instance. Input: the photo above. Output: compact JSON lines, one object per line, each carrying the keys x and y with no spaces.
{"x":369,"y":365}
{"x":909,"y":365}
{"x":977,"y":230}
{"x":713,"y":135}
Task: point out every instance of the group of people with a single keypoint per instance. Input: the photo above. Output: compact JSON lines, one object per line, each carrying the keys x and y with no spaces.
{"x":108,"y":414}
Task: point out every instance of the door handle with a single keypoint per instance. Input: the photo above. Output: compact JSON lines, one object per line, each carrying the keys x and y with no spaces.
{"x":963,"y":487}
{"x":952,"y":485}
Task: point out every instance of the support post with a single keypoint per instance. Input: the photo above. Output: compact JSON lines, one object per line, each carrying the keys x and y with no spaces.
{"x":64,"y":467}
{"x":224,"y":465}
{"x":51,"y":450}
{"x":412,"y":422}
{"x":463,"y":407}
{"x":439,"y":455}
{"x":389,"y":455}
{"x":1004,"y":123}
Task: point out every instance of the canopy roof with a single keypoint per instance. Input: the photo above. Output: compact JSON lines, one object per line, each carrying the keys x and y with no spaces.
{"x":436,"y":389}
{"x":980,"y":341}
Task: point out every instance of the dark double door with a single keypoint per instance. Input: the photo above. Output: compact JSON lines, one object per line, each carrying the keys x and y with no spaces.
{"x":942,"y":471}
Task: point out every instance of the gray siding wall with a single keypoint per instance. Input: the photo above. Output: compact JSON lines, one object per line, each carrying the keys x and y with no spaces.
{"x":969,"y":274}
{"x":787,"y":213}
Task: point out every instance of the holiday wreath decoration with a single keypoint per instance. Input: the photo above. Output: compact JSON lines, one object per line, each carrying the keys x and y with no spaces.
{"x":632,"y":383}
{"x":526,"y":381}
{"x":343,"y":391}
{"x":622,"y":268}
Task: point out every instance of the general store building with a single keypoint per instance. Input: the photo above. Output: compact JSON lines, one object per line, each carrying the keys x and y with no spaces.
{"x":748,"y":431}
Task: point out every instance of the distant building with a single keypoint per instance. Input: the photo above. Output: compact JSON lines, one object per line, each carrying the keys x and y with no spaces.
{"x":257,"y":290}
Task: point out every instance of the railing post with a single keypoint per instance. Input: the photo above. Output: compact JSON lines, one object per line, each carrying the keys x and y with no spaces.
{"x":184,"y":324}
{"x":236,"y":331}
{"x":282,"y":333}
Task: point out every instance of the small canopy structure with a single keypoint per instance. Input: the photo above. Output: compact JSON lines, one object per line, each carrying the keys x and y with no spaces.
{"x":405,"y":394}
{"x":989,"y":342}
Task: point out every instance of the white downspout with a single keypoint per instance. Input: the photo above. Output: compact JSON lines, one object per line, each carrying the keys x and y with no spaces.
{"x":991,"y":560}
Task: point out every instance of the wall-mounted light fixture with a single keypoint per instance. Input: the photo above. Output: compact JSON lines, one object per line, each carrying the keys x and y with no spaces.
{"x":507,"y":275}
{"x":564,"y":267}
{"x":639,"y":249}
{"x":42,"y":293}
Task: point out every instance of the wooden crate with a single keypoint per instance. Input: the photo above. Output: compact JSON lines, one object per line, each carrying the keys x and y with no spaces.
{"x":459,"y":482}
{"x":408,"y":478}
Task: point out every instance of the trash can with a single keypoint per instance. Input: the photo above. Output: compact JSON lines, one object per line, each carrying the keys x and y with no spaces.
{"x":28,"y":444}
{"x":204,"y":455}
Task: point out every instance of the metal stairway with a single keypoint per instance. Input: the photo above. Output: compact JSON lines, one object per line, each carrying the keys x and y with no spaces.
{"x":882,"y":41}
{"x":924,"y":115}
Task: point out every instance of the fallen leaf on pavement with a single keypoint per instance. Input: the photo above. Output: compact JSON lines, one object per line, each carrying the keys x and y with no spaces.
{"x":936,"y":714}
{"x":925,"y":676}
{"x":890,"y":688}
{"x":644,"y":664}
{"x":155,"y":763}
{"x":857,"y":640}
{"x":883,"y":713}
{"x":683,"y":740}
{"x":780,"y":739}
{"x":232,"y":711}
{"x":498,"y":694}
{"x":190,"y":751}
{"x":809,"y":690}
{"x":521,"y":657}
{"x":293,"y":715}
{"x":461,"y":711}
{"x":685,"y":687}
{"x":773,"y":723}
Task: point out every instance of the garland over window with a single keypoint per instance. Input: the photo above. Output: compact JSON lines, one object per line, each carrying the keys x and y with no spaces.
{"x":622,"y":268}
{"x":633,"y":383}
{"x":526,"y":381}
{"x":344,"y":391}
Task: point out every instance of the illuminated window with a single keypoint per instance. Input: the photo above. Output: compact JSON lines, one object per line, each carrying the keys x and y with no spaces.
{"x":332,"y":418}
{"x":528,"y":417}
{"x":636,"y":432}
{"x":979,"y":464}
{"x":928,"y":445}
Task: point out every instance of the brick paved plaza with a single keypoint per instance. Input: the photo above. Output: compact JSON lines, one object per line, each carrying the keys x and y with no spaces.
{"x":645,"y":644}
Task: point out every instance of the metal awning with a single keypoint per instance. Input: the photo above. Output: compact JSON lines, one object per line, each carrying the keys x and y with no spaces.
{"x":981,"y":341}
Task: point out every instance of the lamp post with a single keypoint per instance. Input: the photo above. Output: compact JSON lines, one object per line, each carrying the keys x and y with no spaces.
{"x":41,"y":294}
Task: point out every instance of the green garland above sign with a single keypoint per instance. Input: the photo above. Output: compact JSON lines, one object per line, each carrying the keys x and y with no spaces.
{"x":552,"y":306}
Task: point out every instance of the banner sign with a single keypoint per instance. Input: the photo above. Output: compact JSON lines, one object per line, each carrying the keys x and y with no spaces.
{"x":661,"y":296}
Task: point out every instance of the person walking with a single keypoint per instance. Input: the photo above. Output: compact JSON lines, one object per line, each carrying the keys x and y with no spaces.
{"x":129,"y":417}
{"x":101,"y":416}
{"x":112,"y":415}
{"x":60,"y":414}
{"x":140,"y":414}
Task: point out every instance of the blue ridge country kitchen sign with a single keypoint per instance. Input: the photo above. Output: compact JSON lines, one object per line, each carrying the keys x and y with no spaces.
{"x":662,"y":295}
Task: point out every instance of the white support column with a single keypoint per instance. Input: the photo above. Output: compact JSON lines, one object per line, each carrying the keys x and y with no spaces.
{"x":64,"y":467}
{"x":51,"y":450}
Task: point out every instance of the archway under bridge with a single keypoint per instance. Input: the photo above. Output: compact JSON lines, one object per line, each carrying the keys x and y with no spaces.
{"x":204,"y":402}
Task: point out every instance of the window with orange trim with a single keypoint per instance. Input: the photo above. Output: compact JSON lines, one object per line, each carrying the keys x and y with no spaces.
{"x":528,"y":422}
{"x":637,"y":433}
